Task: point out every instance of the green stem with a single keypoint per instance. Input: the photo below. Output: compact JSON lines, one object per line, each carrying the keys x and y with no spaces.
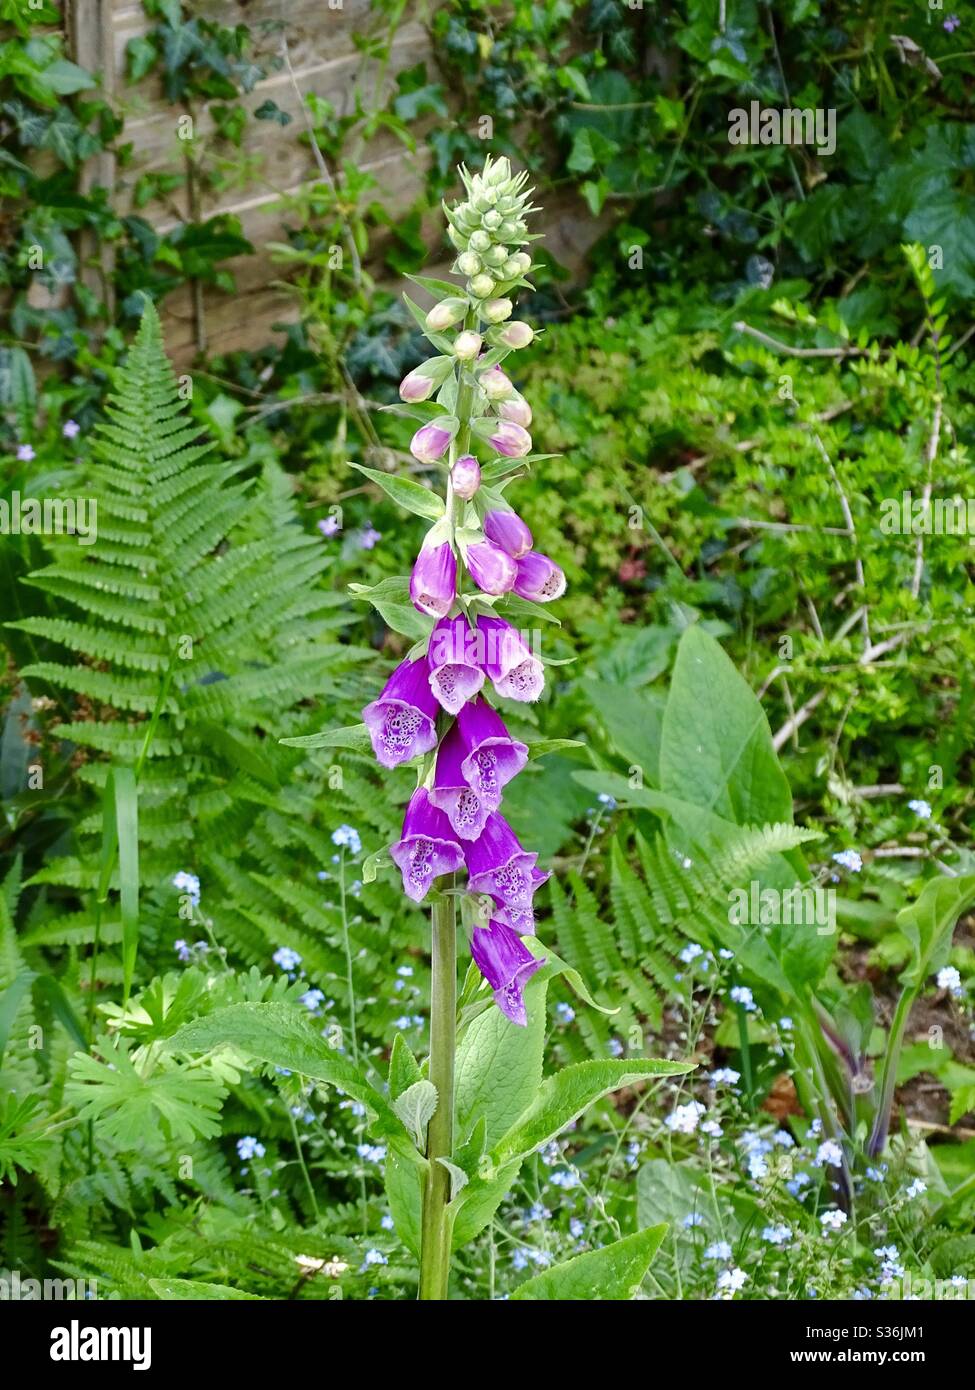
{"x":436,"y":1224}
{"x":889,"y":1076}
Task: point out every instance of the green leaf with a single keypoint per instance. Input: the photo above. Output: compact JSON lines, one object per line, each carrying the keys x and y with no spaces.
{"x":64,"y":77}
{"x":615,"y":1273}
{"x":124,"y":794}
{"x":499,"y":1066}
{"x":354,"y":736}
{"x":414,"y":497}
{"x":716,"y":745}
{"x":416,"y":1107}
{"x":197,"y":1290}
{"x":281,"y":1035}
{"x":404,"y":1069}
{"x":565,"y":1096}
{"x":541,"y":746}
{"x":555,"y":965}
{"x":391,"y":600}
{"x":929,"y":923}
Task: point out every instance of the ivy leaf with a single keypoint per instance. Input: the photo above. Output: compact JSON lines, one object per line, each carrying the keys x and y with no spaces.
{"x":141,"y":55}
{"x":270,"y":111}
{"x":614,"y":1273}
{"x":64,"y":78}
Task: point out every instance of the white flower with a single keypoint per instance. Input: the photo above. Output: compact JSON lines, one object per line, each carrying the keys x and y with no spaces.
{"x":833,"y":1220}
{"x":949,"y":978}
{"x":730,"y":1281}
{"x":741,"y":994}
{"x":776,"y":1235}
{"x":712,"y":1129}
{"x":720,"y":1250}
{"x":691,"y":952}
{"x":829,"y":1152}
{"x":685,"y":1118}
{"x":757,"y":1167}
{"x":922,"y":809}
{"x":726,"y":1076}
{"x":916,"y":1188}
{"x":694,"y":1219}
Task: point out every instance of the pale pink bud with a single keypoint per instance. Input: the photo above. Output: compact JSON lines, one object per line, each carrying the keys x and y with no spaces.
{"x":495,"y":384}
{"x":445,"y":314}
{"x":497,"y":310}
{"x":467,"y":345}
{"x":465,"y":476}
{"x":517,"y":409}
{"x":516,"y":334}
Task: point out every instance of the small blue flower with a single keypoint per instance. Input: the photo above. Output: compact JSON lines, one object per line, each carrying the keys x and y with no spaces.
{"x":189,"y":884}
{"x":741,"y":994}
{"x":693,"y":1219}
{"x":347,"y":836}
{"x":312,"y":999}
{"x":565,"y":1012}
{"x":915,"y":1189}
{"x":848,"y":859}
{"x":373,"y":1257}
{"x":922,"y":809}
{"x":720,"y":1250}
{"x":286,"y":958}
{"x":249,"y":1147}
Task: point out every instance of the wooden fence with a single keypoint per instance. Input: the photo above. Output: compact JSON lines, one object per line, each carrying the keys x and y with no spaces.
{"x":314,"y":45}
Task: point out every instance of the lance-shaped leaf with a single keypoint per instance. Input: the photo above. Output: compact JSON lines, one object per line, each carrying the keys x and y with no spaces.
{"x":414,"y":497}
{"x":564,"y":1097}
{"x":614,"y":1273}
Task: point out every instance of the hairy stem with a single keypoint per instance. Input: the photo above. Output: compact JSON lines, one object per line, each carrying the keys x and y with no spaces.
{"x":436,"y":1224}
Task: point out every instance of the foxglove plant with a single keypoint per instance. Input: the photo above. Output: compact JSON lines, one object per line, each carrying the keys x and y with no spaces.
{"x":438,"y":707}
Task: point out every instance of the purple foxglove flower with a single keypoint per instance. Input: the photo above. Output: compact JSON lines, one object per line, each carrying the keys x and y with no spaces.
{"x":492,"y":757}
{"x":497,"y":864}
{"x":465,"y":476}
{"x":491,"y":568}
{"x":508,"y":662}
{"x":455,"y":674}
{"x":433,"y":582}
{"x":509,"y":439}
{"x":509,"y":531}
{"x":519,"y":919}
{"x":507,"y":965}
{"x":516,"y":334}
{"x":515,"y":408}
{"x":450,"y":792}
{"x":427,"y":847}
{"x":431,"y":441}
{"x":402,"y":721}
{"x":539,"y":578}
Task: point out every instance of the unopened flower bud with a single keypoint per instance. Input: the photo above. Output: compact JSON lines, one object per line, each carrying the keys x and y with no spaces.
{"x":496,"y":310}
{"x":468,"y":264}
{"x":491,"y":568}
{"x":518,"y":264}
{"x":420,"y":384}
{"x":480,"y":241}
{"x":446,"y":313}
{"x":432,"y":441}
{"x":516,"y":334}
{"x":482,"y":286}
{"x":506,"y":528}
{"x":496,"y":257}
{"x":467,"y":345}
{"x":515,"y":408}
{"x":465,"y":476}
{"x":495,"y":384}
{"x":433,"y":582}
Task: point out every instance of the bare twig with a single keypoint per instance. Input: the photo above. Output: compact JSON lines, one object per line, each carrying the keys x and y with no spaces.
{"x":930,"y":454}
{"x":741,"y":327}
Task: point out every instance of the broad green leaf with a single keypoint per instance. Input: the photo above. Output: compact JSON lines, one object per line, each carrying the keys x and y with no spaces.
{"x":499,"y":1066}
{"x":281,"y":1035}
{"x":416,"y":1108}
{"x":614,"y":1273}
{"x":633,"y":719}
{"x":354,"y":736}
{"x":716,"y":745}
{"x":404,"y":1069}
{"x":929,"y":923}
{"x":404,"y":1193}
{"x":555,"y":965}
{"x":478,"y":1202}
{"x":405,"y":493}
{"x":565,"y":1096}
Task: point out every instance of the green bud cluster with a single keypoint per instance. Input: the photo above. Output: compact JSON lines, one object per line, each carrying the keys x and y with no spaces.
{"x":488,"y":227}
